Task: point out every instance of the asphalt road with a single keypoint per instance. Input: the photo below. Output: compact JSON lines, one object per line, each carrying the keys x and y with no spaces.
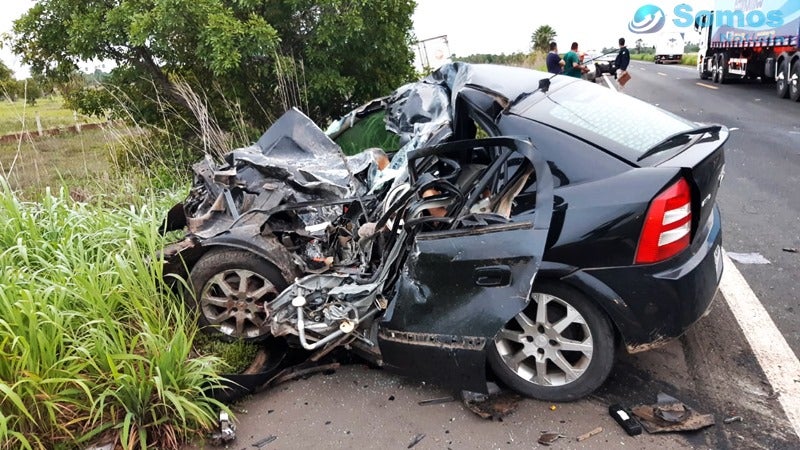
{"x":759,"y":200}
{"x":712,"y":368}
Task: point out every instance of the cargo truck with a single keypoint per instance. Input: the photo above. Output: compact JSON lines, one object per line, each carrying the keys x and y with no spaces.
{"x":751,"y":39}
{"x":669,"y":49}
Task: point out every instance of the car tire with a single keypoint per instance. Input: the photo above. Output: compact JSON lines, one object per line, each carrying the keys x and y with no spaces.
{"x":228,"y":289}
{"x":528,"y":353}
{"x":794,"y":82}
{"x":782,"y":80}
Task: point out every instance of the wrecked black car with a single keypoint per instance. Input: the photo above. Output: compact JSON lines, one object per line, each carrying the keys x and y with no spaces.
{"x":506,"y":217}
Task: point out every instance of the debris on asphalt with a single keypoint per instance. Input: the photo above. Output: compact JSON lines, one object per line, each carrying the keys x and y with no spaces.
{"x":299,"y":371}
{"x":625,"y":419}
{"x":548,"y":438}
{"x":589,"y":434}
{"x":670,"y":414}
{"x":226,"y":432}
{"x":436,"y":401}
{"x":730,"y":420}
{"x":494,"y":406}
{"x":553,"y":407}
{"x":748,"y":258}
{"x":416,"y":440}
{"x":265,"y":441}
{"x":790,"y":250}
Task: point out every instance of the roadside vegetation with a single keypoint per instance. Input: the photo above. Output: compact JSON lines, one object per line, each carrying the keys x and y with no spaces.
{"x":95,"y":348}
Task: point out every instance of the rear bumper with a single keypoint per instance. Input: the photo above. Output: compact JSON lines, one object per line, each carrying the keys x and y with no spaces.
{"x":652,"y":304}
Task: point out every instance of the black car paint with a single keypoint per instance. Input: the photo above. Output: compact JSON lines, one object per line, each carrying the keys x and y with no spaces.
{"x":430,"y":333}
{"x":599,"y":259}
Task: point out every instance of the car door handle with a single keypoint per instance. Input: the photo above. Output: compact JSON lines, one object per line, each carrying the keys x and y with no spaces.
{"x":492,"y":276}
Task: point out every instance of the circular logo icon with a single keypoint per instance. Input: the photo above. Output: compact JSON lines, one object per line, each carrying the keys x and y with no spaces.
{"x":647,"y":19}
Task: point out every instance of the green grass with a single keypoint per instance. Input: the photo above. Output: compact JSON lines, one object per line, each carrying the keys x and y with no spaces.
{"x":18,"y":116}
{"x":686,"y":59}
{"x":92,"y":344}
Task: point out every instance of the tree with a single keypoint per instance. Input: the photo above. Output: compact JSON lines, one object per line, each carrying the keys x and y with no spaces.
{"x":327,"y":54}
{"x":542,"y":37}
{"x":639,"y":46}
{"x":8,"y":85}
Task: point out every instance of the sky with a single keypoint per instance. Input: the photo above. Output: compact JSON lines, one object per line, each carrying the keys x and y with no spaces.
{"x":480,"y":26}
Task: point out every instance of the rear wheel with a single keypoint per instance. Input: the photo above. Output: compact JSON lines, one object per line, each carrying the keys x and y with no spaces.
{"x":723,"y":69}
{"x":715,"y":68}
{"x":794,"y":82}
{"x":781,"y":80}
{"x":229,"y":290}
{"x":560,"y":348}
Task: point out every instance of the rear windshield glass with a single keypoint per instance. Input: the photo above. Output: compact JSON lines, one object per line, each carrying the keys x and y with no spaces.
{"x":611,"y":120}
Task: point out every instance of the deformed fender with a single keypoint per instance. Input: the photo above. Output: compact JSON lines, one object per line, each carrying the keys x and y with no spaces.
{"x":181,"y":256}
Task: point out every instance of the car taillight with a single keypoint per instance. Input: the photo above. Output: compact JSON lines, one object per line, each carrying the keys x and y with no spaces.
{"x":668,"y":225}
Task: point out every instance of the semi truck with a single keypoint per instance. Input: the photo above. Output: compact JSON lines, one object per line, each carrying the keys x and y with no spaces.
{"x":751,"y":39}
{"x":669,"y":49}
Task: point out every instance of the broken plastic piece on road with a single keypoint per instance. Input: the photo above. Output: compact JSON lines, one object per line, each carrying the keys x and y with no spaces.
{"x":553,"y":407}
{"x":625,"y":419}
{"x":436,"y":401}
{"x":494,"y":406}
{"x":227,"y":430}
{"x":670,"y":414}
{"x":589,"y":434}
{"x":549,"y":438}
{"x":416,"y":440}
{"x":790,"y":250}
{"x":730,"y":420}
{"x":748,"y":258}
{"x":265,"y":441}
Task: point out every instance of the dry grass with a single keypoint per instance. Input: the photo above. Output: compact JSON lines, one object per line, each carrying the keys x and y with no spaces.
{"x":32,"y":164}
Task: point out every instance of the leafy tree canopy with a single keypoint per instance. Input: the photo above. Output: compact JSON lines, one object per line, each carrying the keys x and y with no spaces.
{"x":542,"y":37}
{"x":321,"y":55}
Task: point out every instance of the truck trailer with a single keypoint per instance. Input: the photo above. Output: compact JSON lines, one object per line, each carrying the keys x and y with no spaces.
{"x":669,"y":49}
{"x":751,"y":39}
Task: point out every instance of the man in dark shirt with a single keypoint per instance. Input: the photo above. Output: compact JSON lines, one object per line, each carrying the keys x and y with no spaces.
{"x":554,"y":62}
{"x":622,"y":61}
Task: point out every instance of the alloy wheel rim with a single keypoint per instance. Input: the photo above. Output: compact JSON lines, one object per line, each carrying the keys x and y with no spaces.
{"x":552,"y":348}
{"x":234,"y":302}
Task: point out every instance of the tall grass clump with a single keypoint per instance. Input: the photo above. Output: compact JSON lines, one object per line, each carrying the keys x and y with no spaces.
{"x":93,"y":348}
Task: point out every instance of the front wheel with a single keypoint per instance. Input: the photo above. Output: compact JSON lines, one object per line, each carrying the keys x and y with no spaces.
{"x":229,"y":290}
{"x":560,"y":348}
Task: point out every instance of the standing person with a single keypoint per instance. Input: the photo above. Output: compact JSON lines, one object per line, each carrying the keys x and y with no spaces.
{"x":554,"y":62}
{"x":622,"y":61}
{"x":572,"y":62}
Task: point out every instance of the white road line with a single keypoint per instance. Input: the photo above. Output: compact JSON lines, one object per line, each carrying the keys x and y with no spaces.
{"x":707,"y":86}
{"x":611,"y":84}
{"x":776,"y":358}
{"x":662,"y":74}
{"x":642,"y":68}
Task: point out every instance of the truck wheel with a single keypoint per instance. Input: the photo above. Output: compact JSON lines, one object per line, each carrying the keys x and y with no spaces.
{"x":715,"y":68}
{"x":560,"y":348}
{"x":781,"y":80}
{"x":723,"y":69}
{"x":794,"y":82}
{"x":704,"y":75}
{"x":229,"y":291}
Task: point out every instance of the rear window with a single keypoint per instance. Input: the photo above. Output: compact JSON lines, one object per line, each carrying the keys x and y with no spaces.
{"x":615,"y":121}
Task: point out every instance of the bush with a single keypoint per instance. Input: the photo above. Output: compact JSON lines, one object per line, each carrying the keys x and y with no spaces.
{"x":93,"y":345}
{"x":689,"y":60}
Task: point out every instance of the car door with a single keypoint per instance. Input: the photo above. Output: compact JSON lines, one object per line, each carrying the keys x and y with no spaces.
{"x":461,"y":283}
